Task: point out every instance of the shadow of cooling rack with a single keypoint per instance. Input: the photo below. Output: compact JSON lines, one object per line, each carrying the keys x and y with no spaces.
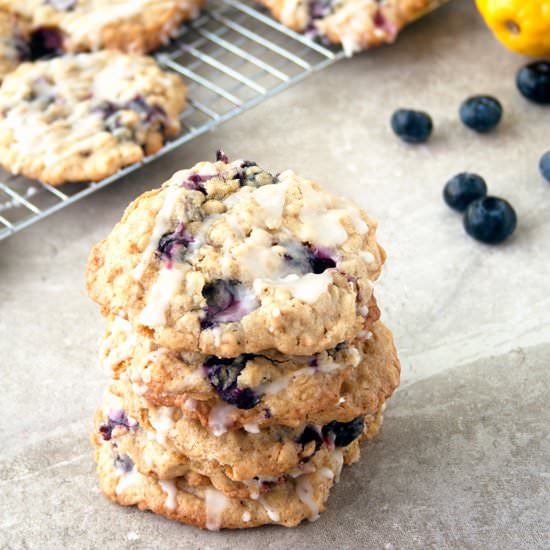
{"x":232,"y":58}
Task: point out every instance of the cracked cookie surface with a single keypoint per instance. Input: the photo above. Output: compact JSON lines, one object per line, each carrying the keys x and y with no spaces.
{"x":100,"y":112}
{"x":226,"y":259}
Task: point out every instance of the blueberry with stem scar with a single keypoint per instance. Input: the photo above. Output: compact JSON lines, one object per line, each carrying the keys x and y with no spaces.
{"x":490,"y":220}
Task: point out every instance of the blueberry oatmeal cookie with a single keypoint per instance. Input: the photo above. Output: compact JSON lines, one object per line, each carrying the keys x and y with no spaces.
{"x":157,"y":459}
{"x":13,"y":45}
{"x":269,"y":452}
{"x":198,"y":502}
{"x":134,"y":26}
{"x":226,"y":259}
{"x":255,"y":391}
{"x":355,"y":24}
{"x":100,"y":112}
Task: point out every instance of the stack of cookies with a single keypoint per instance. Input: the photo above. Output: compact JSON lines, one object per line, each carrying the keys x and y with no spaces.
{"x":246,"y":357}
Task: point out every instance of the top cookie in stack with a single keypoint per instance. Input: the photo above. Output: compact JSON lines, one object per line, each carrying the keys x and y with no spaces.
{"x":227,"y":259}
{"x":244,"y":346}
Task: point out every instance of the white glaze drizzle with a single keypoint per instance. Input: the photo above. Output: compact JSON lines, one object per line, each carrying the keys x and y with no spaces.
{"x":322,"y":220}
{"x":251,"y":428}
{"x":127,"y":479}
{"x":220,"y":419}
{"x":305,"y":493}
{"x":169,"y":487}
{"x":215,"y":503}
{"x":161,"y":419}
{"x":306,"y":288}
{"x":271,"y":512}
{"x":337,"y":459}
{"x":168,"y":281}
{"x":271,"y":200}
{"x":246,"y":517}
{"x":163,"y":223}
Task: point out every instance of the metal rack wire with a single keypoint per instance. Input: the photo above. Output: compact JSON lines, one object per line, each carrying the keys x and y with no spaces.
{"x":232,"y":57}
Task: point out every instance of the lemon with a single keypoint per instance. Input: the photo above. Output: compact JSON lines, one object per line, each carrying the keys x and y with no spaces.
{"x":521,"y":25}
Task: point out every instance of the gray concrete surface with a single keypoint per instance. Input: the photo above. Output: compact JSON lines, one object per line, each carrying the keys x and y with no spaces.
{"x":462,"y":460}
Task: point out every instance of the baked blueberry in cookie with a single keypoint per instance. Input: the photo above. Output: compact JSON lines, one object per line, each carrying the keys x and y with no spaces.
{"x":123,"y":463}
{"x":45,"y":41}
{"x":172,"y":246}
{"x":226,"y":301}
{"x":223,"y":375}
{"x":116,"y":419}
{"x":343,"y":433}
{"x":311,"y":433}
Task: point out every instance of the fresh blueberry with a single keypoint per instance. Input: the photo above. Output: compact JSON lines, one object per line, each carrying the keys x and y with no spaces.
{"x":46,"y":41}
{"x":123,"y":463}
{"x":223,"y":375}
{"x":227,"y":301}
{"x":343,"y":433}
{"x":462,"y":189}
{"x":310,"y":433}
{"x":533,"y":81}
{"x":412,"y":126}
{"x":481,"y":113}
{"x":172,"y":246}
{"x":490,"y":220}
{"x":221,"y":156}
{"x":544,"y":165}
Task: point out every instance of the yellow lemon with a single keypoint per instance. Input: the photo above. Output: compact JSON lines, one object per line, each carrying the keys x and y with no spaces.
{"x":521,"y":25}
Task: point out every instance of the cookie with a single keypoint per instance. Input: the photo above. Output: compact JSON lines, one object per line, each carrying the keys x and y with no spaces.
{"x":133,"y":26}
{"x":355,"y":24}
{"x":269,"y":452}
{"x":200,"y":504}
{"x":13,"y":46}
{"x":226,"y":259}
{"x":152,"y":458}
{"x":256,"y":391}
{"x":100,"y":112}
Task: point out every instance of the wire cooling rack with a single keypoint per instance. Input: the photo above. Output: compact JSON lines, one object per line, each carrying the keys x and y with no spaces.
{"x":232,"y":58}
